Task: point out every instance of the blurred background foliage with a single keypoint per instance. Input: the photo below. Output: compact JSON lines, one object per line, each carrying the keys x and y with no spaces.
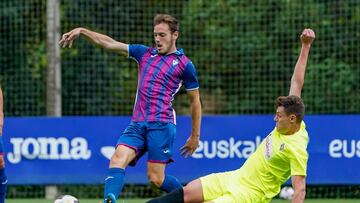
{"x":244,"y":52}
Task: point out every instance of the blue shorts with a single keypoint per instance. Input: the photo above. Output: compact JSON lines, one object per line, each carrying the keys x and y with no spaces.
{"x":156,"y":138}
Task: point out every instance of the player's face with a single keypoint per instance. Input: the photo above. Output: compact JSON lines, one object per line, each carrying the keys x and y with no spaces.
{"x":164,"y":39}
{"x":283,"y":121}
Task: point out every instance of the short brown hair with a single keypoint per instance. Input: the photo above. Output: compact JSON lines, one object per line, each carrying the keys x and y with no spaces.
{"x":168,"y":19}
{"x":292,"y":105}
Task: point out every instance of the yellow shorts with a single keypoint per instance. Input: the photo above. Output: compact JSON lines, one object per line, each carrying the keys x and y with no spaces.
{"x":225,"y":188}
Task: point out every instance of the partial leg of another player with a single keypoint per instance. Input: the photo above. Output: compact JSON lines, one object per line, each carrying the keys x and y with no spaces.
{"x":3,"y":178}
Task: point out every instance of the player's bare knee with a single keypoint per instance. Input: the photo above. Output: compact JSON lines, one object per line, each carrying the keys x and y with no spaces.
{"x":193,"y":192}
{"x":119,"y":160}
{"x":187,"y":197}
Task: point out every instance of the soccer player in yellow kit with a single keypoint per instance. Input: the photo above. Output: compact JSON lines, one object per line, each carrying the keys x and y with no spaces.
{"x":281,"y":155}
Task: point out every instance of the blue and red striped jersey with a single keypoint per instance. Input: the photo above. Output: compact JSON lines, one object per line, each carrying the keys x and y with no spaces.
{"x":159,"y":79}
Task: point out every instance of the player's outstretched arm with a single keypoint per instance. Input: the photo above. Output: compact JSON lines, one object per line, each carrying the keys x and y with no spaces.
{"x":193,"y":141}
{"x":297,"y":80}
{"x":98,"y":39}
{"x":299,"y":185}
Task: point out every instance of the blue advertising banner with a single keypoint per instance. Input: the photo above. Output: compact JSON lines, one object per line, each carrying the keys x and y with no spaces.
{"x":41,"y":150}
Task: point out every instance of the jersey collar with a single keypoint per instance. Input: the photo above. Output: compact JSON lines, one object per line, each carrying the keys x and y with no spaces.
{"x":179,"y":52}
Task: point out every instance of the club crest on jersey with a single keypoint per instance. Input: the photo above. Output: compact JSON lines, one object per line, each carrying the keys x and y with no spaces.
{"x":175,"y":62}
{"x":282,"y":147}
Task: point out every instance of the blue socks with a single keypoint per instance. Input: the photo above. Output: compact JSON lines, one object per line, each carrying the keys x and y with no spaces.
{"x":170,"y":184}
{"x":3,"y":185}
{"x":114,"y":182}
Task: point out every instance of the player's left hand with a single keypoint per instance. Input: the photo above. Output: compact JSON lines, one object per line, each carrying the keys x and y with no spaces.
{"x":307,"y":36}
{"x":190,"y":146}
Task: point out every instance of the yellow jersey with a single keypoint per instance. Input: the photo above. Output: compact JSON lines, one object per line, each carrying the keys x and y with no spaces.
{"x":276,"y":159}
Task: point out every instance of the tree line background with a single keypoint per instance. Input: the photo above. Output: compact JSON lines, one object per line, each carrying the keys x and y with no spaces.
{"x":244,"y":52}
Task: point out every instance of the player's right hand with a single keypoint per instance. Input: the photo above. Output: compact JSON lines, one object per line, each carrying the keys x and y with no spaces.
{"x":68,"y":38}
{"x":190,"y":146}
{"x":307,"y":36}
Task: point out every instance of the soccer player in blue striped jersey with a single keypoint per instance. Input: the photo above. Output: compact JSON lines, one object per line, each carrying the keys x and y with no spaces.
{"x":162,"y":71}
{"x":281,"y":155}
{"x":3,"y":178}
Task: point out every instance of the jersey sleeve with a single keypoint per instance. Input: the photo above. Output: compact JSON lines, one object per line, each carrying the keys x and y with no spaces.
{"x":190,"y":78}
{"x":298,"y":161}
{"x":137,"y":51}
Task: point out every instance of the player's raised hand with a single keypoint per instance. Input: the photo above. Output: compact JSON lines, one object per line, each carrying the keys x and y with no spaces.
{"x":307,"y":36}
{"x":190,"y":146}
{"x":69,"y":37}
